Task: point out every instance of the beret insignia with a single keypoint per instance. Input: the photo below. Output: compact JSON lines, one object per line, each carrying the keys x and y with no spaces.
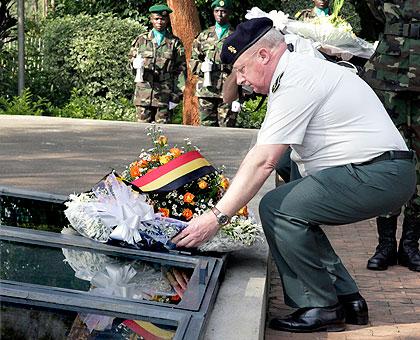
{"x":232,"y":49}
{"x":221,"y":3}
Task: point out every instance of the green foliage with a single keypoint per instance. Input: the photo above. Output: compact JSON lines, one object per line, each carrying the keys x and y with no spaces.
{"x":177,"y":117}
{"x":79,"y":106}
{"x":90,"y":54}
{"x":87,"y":53}
{"x":249,"y":119}
{"x":82,"y":106}
{"x":8,"y":72}
{"x":23,"y":105}
{"x":134,"y":9}
{"x":7,"y":23}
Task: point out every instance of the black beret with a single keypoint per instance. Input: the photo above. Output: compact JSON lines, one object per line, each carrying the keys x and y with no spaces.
{"x":245,"y":35}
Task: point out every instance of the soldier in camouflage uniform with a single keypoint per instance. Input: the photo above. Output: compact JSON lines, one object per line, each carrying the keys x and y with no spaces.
{"x":320,"y":9}
{"x":208,"y":44}
{"x":394,"y":73}
{"x":164,"y":69}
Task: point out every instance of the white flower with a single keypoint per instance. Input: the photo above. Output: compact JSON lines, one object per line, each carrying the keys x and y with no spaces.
{"x":238,"y":234}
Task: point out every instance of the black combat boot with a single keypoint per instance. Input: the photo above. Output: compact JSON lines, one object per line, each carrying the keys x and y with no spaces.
{"x":386,"y":250}
{"x":408,"y":250}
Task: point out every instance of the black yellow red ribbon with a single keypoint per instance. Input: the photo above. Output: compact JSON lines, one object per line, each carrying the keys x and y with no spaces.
{"x":174,"y":174}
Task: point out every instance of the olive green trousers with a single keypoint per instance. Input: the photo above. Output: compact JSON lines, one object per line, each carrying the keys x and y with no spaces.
{"x":312,"y":274}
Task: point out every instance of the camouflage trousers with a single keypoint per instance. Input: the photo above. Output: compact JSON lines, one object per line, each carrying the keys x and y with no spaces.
{"x":213,"y":112}
{"x":404,"y":110}
{"x":148,"y":114}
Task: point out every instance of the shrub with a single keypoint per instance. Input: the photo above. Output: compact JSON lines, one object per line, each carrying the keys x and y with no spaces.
{"x":82,"y":106}
{"x":82,"y":52}
{"x":22,"y":105}
{"x":90,"y":54}
{"x":8,"y":23}
{"x":249,"y":118}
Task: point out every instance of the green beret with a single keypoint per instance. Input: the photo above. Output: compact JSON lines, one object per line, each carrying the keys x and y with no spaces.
{"x":160,"y":9}
{"x":222,"y":3}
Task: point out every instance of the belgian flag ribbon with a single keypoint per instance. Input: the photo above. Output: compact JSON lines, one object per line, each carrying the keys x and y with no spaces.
{"x":175,"y":174}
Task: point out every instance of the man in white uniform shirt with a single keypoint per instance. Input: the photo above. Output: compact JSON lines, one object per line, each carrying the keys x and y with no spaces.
{"x":354,"y":163}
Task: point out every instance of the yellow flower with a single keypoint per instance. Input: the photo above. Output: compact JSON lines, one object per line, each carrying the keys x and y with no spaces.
{"x":243,"y":211}
{"x":162,"y":140}
{"x":203,"y":184}
{"x":188,"y":198}
{"x":224,"y":183}
{"x":164,"y":159}
{"x":154,"y":158}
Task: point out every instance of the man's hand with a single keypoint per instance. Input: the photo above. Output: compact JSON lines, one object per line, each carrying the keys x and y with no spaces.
{"x":236,"y":106}
{"x":206,"y":66}
{"x":198,"y":231}
{"x":178,"y":280}
{"x":172,"y":105}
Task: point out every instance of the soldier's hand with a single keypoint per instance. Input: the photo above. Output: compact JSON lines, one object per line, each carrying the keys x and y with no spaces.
{"x":172,"y":105}
{"x":206,"y":66}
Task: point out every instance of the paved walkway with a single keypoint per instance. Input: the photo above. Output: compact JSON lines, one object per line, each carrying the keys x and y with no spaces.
{"x":393,"y":295}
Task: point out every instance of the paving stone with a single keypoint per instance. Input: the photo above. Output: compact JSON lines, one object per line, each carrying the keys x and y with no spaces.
{"x":393,"y":295}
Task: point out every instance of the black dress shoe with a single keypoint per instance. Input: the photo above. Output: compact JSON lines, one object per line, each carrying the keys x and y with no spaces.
{"x":356,"y":311}
{"x":306,"y":320}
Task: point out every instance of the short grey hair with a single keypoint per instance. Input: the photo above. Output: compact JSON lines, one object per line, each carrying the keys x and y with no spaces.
{"x":273,"y":38}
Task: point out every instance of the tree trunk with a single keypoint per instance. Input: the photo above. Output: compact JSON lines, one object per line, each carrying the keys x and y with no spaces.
{"x":186,"y":25}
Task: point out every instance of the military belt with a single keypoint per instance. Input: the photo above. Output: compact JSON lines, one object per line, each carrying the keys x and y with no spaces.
{"x":411,"y":30}
{"x":389,"y":155}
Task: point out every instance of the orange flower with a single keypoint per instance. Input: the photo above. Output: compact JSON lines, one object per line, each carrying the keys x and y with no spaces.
{"x":134,"y":170}
{"x":162,"y":140}
{"x":224,"y":183}
{"x":164,"y":211}
{"x":188,"y":198}
{"x":187,"y":213}
{"x":203,"y":184}
{"x":175,"y":151}
{"x":144,"y":163}
{"x":164,"y":159}
{"x":243,"y":211}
